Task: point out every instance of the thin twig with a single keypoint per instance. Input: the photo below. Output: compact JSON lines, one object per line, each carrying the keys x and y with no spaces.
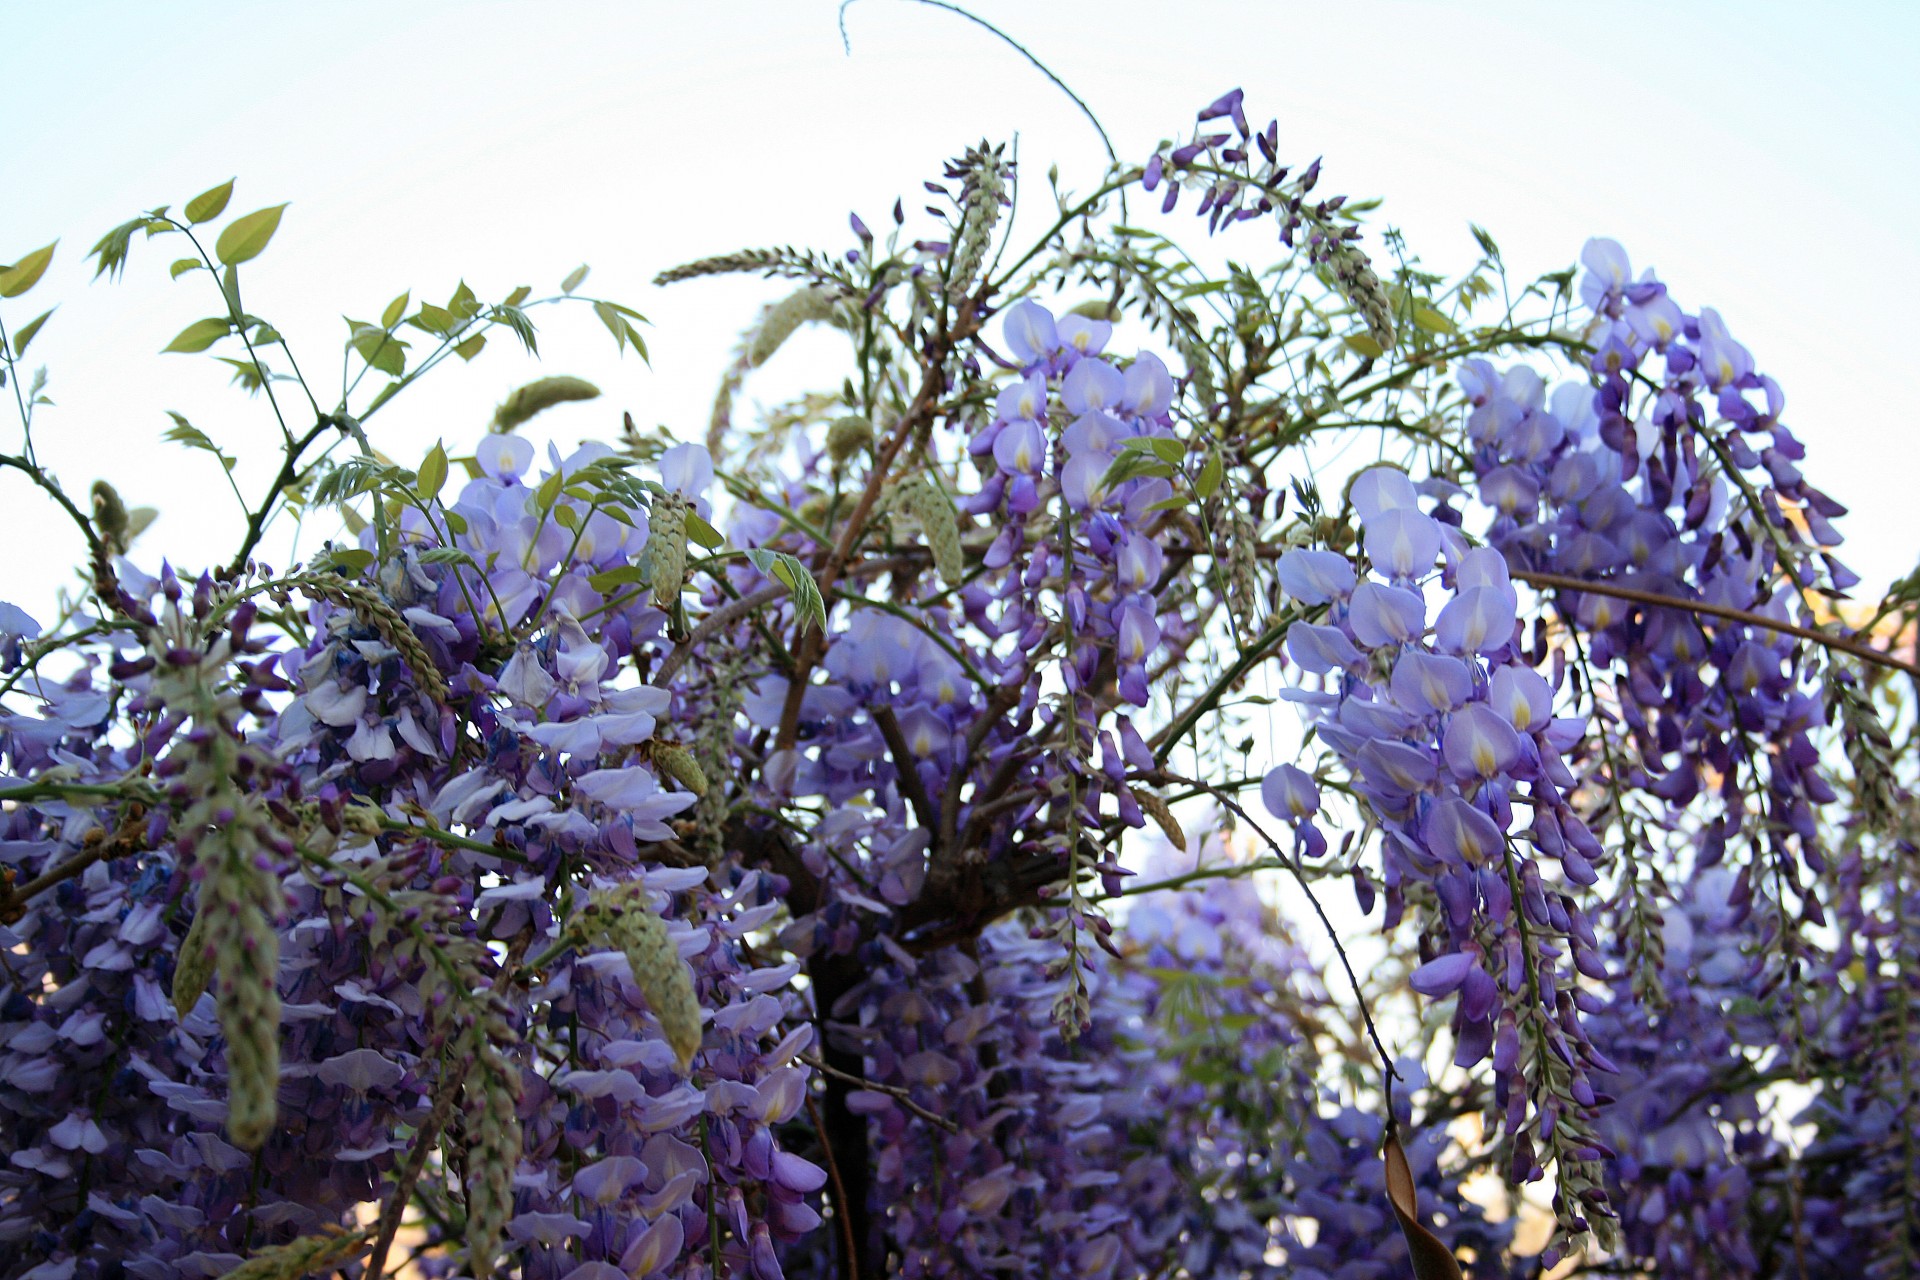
{"x":1845,"y":644}
{"x":902,"y":1096}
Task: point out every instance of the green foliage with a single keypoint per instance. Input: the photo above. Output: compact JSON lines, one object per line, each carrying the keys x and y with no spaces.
{"x":245,"y":238}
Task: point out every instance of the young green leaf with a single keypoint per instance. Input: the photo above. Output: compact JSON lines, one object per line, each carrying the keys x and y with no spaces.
{"x":246,"y":237}
{"x":352,"y":559}
{"x":808,"y":604}
{"x":471,"y":347}
{"x":1209,"y":482}
{"x":210,"y":204}
{"x":1432,"y":321}
{"x":518,"y":296}
{"x":435,"y":320}
{"x":181,"y":266}
{"x":24,"y":334}
{"x":1365,"y":345}
{"x":200,"y":335}
{"x":433,"y":473}
{"x":395,"y":309}
{"x":382,"y":350}
{"x":702,"y":534}
{"x":26,"y":273}
{"x":574,"y":279}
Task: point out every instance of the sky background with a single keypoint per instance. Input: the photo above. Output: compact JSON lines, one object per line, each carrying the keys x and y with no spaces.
{"x":1763,"y":156}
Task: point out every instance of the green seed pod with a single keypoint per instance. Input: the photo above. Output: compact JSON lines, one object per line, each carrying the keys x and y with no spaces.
{"x":1156,"y":808}
{"x":302,"y":1257}
{"x":491,"y":1100}
{"x":194,"y":968}
{"x":109,"y":516}
{"x":678,"y":763}
{"x":540,"y":395}
{"x":624,"y":919}
{"x":847,"y":437}
{"x":919,"y":498}
{"x":783,"y":318}
{"x":666,"y":550}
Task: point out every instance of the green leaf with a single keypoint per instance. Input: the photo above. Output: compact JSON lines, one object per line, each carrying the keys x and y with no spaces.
{"x":574,"y":279}
{"x":1209,"y":482}
{"x":433,"y":473}
{"x":245,"y":237}
{"x":464,"y":303}
{"x":607,"y":582}
{"x":567,"y":517}
{"x":355,"y":522}
{"x":616,"y":324}
{"x":456,"y":523}
{"x":1132,"y":464}
{"x":395,"y":309}
{"x":111,"y":249}
{"x":352,"y":559}
{"x":435,"y":320}
{"x":210,"y":204}
{"x":1432,"y":321}
{"x":471,"y":347}
{"x":518,"y":296}
{"x":1365,"y":345}
{"x":230,"y":289}
{"x":249,"y":375}
{"x":808,"y":604}
{"x":382,"y":350}
{"x":516,"y":319}
{"x":26,"y":273}
{"x":181,"y":266}
{"x":1200,"y":290}
{"x":445,"y":555}
{"x":1169,"y":504}
{"x":549,"y":491}
{"x":24,"y":334}
{"x":194,"y":438}
{"x":702,"y":534}
{"x":200,"y":335}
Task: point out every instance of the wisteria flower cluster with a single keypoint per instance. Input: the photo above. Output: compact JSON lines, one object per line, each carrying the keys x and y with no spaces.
{"x":815,"y":847}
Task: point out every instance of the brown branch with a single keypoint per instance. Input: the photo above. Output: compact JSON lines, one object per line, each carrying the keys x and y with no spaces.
{"x":919,"y":412}
{"x":443,"y":1104}
{"x":903,"y":767}
{"x":850,"y":1251}
{"x":129,"y":839}
{"x":724,"y":616}
{"x":1844,"y":644}
{"x":903,"y":1096}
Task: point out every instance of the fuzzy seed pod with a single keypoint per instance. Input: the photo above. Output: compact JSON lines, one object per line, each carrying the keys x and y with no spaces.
{"x":728,"y":264}
{"x":847,"y":437}
{"x":109,"y":516}
{"x":1243,"y":551}
{"x":921,"y":499}
{"x":623,"y":919}
{"x":540,"y":395}
{"x":980,"y":198}
{"x":491,"y":1099}
{"x":783,"y":318}
{"x":678,"y":763}
{"x":194,"y":967}
{"x":239,"y":901}
{"x":371,"y":608}
{"x":302,"y":1257}
{"x":1156,"y":808}
{"x":665,"y":554}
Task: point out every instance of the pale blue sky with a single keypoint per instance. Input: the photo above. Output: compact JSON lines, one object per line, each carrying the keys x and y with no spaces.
{"x":1763,"y":156}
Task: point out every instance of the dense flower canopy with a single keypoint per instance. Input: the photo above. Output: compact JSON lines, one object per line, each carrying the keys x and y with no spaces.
{"x":770,"y":855}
